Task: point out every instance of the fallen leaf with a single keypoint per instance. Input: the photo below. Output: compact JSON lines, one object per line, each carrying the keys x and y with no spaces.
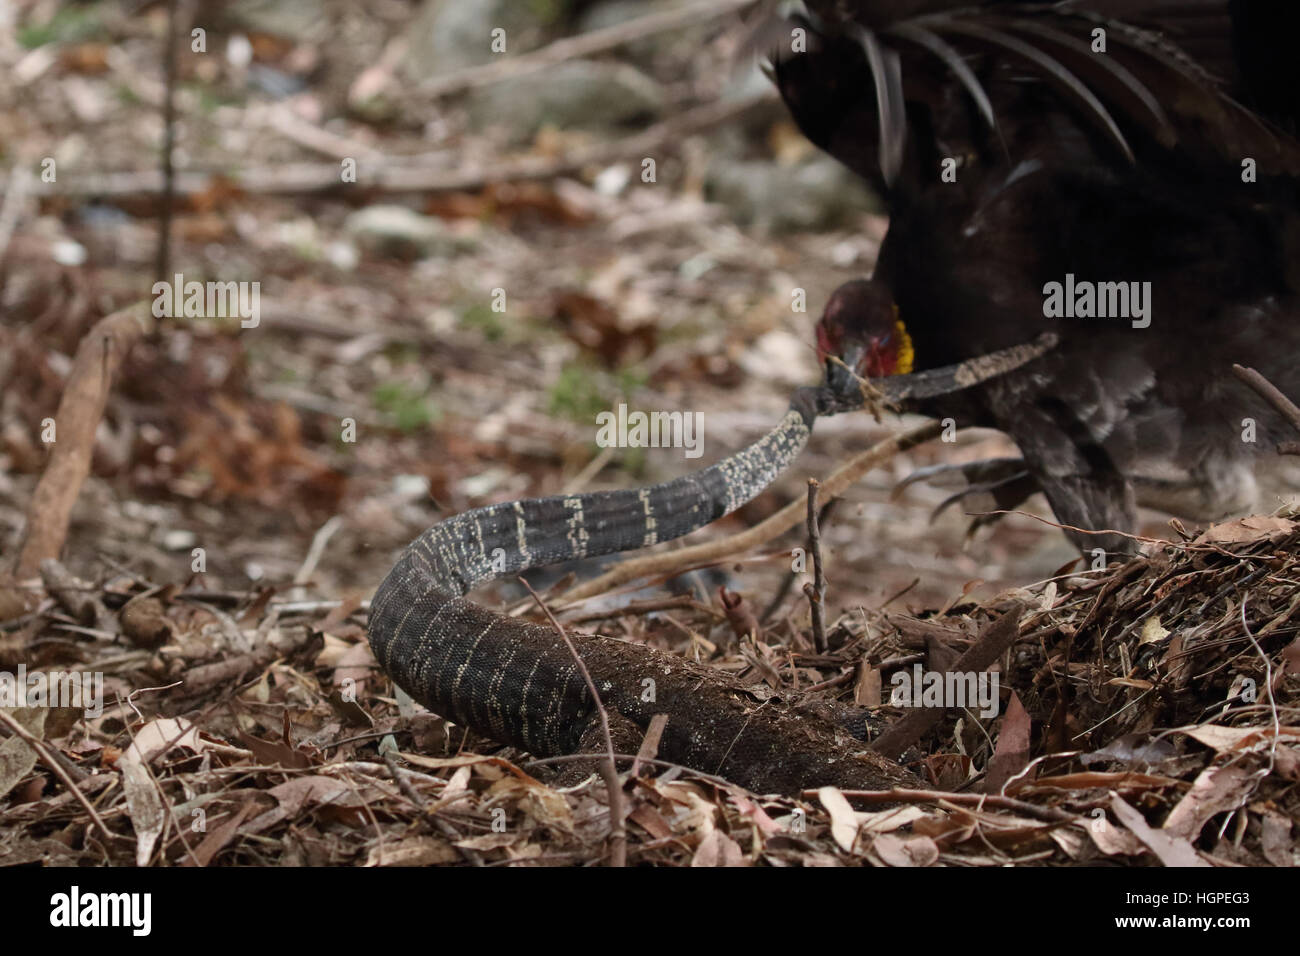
{"x":413,"y":851}
{"x":1012,"y":752}
{"x":1252,"y":528}
{"x":718,"y":849}
{"x":844,"y":822}
{"x":1223,"y":739}
{"x":1170,"y":850}
{"x":1152,"y":631}
{"x":1275,"y":839}
{"x":894,"y":850}
{"x":1216,"y":790}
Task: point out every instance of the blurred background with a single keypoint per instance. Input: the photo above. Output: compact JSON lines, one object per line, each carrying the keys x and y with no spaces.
{"x":614,"y":209}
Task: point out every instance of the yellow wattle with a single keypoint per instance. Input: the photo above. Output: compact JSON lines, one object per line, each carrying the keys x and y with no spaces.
{"x":905,"y":354}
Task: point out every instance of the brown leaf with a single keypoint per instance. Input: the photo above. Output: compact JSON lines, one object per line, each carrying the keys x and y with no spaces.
{"x":1170,"y":850}
{"x":894,"y":850}
{"x":844,"y":822}
{"x":275,"y":752}
{"x":868,"y":686}
{"x":1249,"y":529}
{"x":17,"y":760}
{"x":651,"y":820}
{"x":1275,"y":839}
{"x":218,"y":837}
{"x":1112,"y":840}
{"x":1235,"y":739}
{"x":413,"y":851}
{"x":1012,"y":752}
{"x":718,"y":849}
{"x":1216,"y":790}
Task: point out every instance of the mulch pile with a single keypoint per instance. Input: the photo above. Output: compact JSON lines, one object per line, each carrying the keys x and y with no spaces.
{"x":1147,"y":715}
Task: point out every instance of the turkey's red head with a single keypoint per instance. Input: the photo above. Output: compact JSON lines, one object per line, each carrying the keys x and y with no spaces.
{"x":860,"y":327}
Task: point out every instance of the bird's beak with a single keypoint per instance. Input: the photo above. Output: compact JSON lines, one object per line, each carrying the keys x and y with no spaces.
{"x":841,"y":376}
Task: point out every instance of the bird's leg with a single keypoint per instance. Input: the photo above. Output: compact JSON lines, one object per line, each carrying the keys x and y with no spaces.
{"x":1087,"y":492}
{"x":992,"y":485}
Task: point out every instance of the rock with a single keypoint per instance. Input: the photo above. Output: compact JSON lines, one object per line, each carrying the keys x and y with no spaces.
{"x":813,"y":195}
{"x":580,"y":94}
{"x":401,"y":233}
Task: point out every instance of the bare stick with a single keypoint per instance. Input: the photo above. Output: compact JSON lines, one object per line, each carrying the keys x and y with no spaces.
{"x":816,"y":591}
{"x":976,"y":800}
{"x":1271,"y":394}
{"x":764,"y":531}
{"x":784,"y":589}
{"x":608,"y":771}
{"x":98,"y":357}
{"x":168,"y":171}
{"x":57,"y":767}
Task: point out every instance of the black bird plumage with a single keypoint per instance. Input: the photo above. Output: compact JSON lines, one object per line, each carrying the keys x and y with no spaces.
{"x":1120,"y":166}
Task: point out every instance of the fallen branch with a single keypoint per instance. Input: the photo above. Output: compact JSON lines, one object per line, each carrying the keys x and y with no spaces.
{"x":779,"y":523}
{"x":98,"y":357}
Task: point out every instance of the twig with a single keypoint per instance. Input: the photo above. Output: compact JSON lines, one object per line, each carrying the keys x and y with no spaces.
{"x":1272,"y":691}
{"x":650,"y":742}
{"x":98,"y":357}
{"x":318,"y":543}
{"x":57,"y":768}
{"x":977,"y":800}
{"x":162,"y":269}
{"x":764,"y":531}
{"x":584,"y":44}
{"x":816,"y":590}
{"x":403,"y":784}
{"x":1271,"y":394}
{"x":788,"y":582}
{"x":617,"y":829}
{"x":652,"y":761}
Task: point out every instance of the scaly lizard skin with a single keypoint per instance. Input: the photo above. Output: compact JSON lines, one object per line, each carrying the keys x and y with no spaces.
{"x":517,"y":682}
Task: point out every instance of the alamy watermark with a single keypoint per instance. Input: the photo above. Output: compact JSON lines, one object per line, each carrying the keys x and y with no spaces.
{"x":624,"y":429}
{"x":83,"y":690}
{"x":179,"y":299}
{"x":974,"y":690}
{"x":75,"y":908}
{"x":1082,"y":299}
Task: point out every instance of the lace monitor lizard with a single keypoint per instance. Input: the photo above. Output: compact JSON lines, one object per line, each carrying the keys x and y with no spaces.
{"x":516,"y":681}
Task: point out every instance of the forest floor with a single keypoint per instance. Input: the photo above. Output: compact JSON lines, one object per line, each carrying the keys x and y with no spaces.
{"x":424,"y":349}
